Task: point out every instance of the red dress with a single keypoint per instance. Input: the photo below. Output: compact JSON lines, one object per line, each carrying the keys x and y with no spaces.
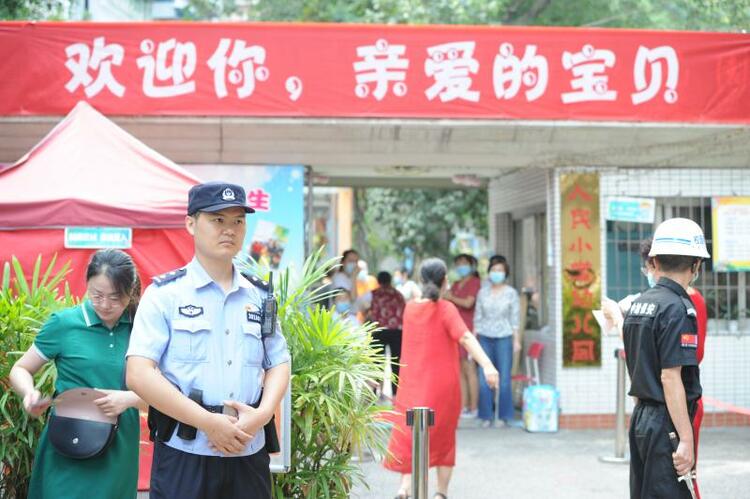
{"x":702,"y":316}
{"x":429,"y":377}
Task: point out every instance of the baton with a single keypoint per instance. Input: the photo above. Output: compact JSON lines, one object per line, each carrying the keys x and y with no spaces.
{"x":690,"y":475}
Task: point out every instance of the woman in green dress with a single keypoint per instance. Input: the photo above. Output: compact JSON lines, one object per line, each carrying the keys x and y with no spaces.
{"x":87,"y":343}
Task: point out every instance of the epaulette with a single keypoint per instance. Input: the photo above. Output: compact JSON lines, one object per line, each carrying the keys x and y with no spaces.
{"x":256,"y":281}
{"x":161,"y":280}
{"x":689,"y":306}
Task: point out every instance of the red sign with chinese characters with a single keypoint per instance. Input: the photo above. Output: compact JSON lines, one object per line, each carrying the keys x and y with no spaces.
{"x":345,"y":70}
{"x":581,"y":263}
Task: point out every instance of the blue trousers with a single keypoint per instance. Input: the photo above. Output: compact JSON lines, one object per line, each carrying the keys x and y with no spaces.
{"x":500,"y":352}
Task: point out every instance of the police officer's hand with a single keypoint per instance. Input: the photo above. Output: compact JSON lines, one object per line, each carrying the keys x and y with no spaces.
{"x":250,"y":420}
{"x":224,"y":435}
{"x":683,"y":459}
{"x":492,"y":377}
{"x":115,"y":402}
{"x":34,"y":404}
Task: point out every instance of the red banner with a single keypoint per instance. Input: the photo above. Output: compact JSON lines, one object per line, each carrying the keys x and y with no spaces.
{"x":346,"y":70}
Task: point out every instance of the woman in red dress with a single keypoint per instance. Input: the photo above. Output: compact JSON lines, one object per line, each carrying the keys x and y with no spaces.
{"x":432,"y":332}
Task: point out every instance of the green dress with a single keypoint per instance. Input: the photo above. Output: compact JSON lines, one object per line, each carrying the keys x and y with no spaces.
{"x":87,"y":354}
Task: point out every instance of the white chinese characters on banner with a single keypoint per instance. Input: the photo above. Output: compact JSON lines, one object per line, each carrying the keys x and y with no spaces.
{"x":656,"y":60}
{"x":246,"y":63}
{"x":451,"y":65}
{"x":590,"y":81}
{"x":171,"y":64}
{"x":80,"y":58}
{"x":381,"y":64}
{"x":509,"y":72}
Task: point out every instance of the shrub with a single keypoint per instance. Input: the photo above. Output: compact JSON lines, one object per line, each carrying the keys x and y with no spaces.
{"x":24,"y":306}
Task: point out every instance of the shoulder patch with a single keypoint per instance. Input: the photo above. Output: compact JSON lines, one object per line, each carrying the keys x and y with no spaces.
{"x":643,"y":309}
{"x":256,"y":281}
{"x":170,"y":276}
{"x":689,"y":307}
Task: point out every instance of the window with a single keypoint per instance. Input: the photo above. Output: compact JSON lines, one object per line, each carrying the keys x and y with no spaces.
{"x":726,"y":293}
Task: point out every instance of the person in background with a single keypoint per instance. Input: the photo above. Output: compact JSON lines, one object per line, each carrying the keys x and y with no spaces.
{"x":433,"y":329}
{"x":387,"y":311}
{"x":496,"y":322}
{"x":345,"y":276}
{"x":406,"y":286}
{"x":343,"y":308}
{"x":87,"y":343}
{"x":463,"y":294}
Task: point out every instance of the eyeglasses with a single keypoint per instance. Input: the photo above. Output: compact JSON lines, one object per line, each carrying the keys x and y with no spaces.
{"x":97,"y":298}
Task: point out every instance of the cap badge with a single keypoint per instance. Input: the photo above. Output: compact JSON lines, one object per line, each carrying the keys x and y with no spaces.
{"x":228,"y":195}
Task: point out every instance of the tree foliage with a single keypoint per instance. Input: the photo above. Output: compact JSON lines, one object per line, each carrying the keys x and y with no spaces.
{"x":717,"y":15}
{"x":34,"y":9}
{"x":424,"y":220}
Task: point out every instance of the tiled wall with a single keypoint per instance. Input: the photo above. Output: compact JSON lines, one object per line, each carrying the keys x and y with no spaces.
{"x":725,"y":371}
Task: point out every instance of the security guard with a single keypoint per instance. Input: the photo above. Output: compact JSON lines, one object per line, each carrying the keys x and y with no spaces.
{"x":661,"y":338}
{"x":197,"y":357}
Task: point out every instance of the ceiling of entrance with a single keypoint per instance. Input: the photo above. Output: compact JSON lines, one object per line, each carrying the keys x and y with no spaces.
{"x":384,"y":152}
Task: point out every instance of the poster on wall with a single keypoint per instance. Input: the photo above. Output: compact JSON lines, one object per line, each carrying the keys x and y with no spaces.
{"x":581,"y":269}
{"x":731,"y":233}
{"x":275,"y":232}
{"x":628,"y":209}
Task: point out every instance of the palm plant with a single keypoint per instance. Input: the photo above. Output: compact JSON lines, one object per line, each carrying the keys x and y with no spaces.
{"x":25,"y":303}
{"x":334,"y":408}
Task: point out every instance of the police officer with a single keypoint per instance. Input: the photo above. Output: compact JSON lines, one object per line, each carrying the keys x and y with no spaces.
{"x":197,"y":357}
{"x":661,"y":338}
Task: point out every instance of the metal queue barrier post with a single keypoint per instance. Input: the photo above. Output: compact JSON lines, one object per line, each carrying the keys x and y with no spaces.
{"x":420,"y":419}
{"x":620,"y":431}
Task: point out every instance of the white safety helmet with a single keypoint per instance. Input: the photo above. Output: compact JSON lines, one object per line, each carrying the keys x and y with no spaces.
{"x":679,"y":236}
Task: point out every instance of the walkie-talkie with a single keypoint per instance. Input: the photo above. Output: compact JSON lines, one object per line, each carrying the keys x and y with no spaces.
{"x":270,"y":307}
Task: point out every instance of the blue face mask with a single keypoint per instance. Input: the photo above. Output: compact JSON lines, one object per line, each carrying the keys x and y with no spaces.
{"x":651,"y":280}
{"x":497,"y":277}
{"x":463,"y":270}
{"x":343,"y":307}
{"x":398,"y":281}
{"x":350,"y":267}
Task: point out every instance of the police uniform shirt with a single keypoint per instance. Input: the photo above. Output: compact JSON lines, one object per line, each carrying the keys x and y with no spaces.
{"x":202,"y":338}
{"x":660,"y":332}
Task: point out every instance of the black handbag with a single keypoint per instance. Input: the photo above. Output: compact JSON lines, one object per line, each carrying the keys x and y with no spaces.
{"x":78,"y":429}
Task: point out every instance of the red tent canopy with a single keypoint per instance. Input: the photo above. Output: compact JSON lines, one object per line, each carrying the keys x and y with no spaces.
{"x":89,"y":172}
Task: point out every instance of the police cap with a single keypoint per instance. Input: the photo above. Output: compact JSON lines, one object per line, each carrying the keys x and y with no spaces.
{"x":216,"y":196}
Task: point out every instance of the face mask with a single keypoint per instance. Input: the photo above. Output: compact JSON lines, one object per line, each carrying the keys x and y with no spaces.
{"x":398,"y":281}
{"x":350,"y":267}
{"x":343,"y":307}
{"x":463,"y":270}
{"x":497,"y":277}
{"x":362,"y":276}
{"x":651,"y":280}
{"x":696,"y":275}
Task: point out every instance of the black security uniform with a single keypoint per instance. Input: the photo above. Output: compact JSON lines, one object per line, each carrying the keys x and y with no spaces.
{"x":660,"y":332}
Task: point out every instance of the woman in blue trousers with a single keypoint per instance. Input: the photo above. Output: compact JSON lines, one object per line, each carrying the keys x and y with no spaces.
{"x":496,"y":321}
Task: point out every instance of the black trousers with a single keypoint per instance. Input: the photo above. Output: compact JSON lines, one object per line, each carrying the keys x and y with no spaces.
{"x":652,"y":473}
{"x":392,"y":338}
{"x":176,"y":474}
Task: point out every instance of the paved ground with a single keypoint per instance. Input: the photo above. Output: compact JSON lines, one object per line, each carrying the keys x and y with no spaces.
{"x":510,"y":463}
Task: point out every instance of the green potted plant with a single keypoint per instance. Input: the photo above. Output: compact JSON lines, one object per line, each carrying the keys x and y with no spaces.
{"x":335,"y":413}
{"x":25,"y":303}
